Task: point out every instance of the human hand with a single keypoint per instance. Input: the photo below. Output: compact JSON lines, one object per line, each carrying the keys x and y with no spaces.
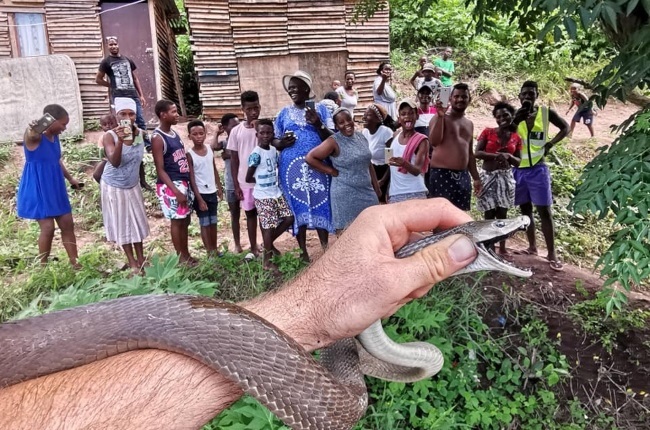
{"x":478,"y":186}
{"x":220,"y":129}
{"x":359,"y":280}
{"x":119,"y":131}
{"x":288,"y":139}
{"x":396,"y":161}
{"x":143,"y":102}
{"x":385,"y":74}
{"x":440,"y":108}
{"x":203,"y":206}
{"x":334,"y":172}
{"x":312,"y":117}
{"x":239,"y":193}
{"x":75,"y":184}
{"x":181,"y":198}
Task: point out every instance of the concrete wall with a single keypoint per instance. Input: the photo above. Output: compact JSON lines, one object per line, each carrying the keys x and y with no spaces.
{"x":28,"y":84}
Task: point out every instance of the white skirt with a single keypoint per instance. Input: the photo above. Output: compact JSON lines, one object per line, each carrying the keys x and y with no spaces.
{"x":125,"y":219}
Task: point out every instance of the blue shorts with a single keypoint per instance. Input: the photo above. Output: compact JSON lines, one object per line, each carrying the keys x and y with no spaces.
{"x":209,"y":217}
{"x":453,"y":185}
{"x":533,"y":185}
{"x":587,"y":117}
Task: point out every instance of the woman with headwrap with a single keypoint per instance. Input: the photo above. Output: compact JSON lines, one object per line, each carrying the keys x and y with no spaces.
{"x":125,"y":219}
{"x":298,"y":129}
{"x":377,"y":133}
{"x":354,"y":185}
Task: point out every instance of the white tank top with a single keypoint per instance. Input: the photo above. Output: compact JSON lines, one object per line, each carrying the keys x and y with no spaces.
{"x":204,"y":171}
{"x":404,"y":183}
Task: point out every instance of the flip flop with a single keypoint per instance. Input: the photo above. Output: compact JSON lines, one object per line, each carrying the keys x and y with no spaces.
{"x":523,"y":252}
{"x":556,"y":265}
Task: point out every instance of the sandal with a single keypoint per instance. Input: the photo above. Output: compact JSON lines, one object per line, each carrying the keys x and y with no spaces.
{"x":524,"y":252}
{"x":556,"y":265}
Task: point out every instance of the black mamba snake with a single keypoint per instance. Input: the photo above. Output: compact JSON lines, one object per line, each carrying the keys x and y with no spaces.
{"x":303,"y":393}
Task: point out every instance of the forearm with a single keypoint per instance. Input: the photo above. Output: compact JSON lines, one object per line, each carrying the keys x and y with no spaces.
{"x":234,"y":168}
{"x":152,"y":388}
{"x":473,"y":170}
{"x":66,"y":174}
{"x":380,"y":87}
{"x":324,"y":133}
{"x":437,"y":130}
{"x":136,"y":390}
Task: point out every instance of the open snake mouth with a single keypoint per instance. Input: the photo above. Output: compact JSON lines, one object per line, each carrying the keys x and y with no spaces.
{"x":488,"y":246}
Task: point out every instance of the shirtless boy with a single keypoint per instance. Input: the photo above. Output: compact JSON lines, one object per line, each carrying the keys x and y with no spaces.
{"x":452,"y":161}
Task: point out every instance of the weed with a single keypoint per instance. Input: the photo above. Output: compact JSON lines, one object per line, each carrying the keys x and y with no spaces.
{"x":592,"y":317}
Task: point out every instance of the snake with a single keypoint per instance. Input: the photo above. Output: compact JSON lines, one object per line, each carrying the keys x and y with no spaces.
{"x":261,"y":359}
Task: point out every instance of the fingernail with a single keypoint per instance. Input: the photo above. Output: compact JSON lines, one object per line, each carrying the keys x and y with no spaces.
{"x":462,"y":250}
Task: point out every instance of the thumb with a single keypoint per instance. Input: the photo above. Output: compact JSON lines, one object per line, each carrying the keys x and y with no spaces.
{"x":436,"y":263}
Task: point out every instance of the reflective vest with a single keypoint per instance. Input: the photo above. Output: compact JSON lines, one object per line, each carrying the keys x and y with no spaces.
{"x":534,"y":139}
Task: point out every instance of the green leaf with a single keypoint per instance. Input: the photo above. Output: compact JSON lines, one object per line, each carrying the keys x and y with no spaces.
{"x":631,"y":5}
{"x":571,"y":27}
{"x":609,"y":16}
{"x":553,"y":379}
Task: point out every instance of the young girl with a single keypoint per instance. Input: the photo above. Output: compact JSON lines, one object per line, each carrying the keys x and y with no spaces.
{"x":42,"y":194}
{"x":377,"y":133}
{"x":410,"y":158}
{"x":205,"y":183}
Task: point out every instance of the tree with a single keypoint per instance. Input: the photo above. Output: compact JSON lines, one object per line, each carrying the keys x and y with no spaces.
{"x":618,"y":178}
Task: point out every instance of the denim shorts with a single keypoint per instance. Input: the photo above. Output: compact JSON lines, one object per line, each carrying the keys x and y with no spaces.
{"x":209,"y":217}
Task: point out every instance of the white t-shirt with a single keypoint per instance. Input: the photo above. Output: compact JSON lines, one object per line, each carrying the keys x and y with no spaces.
{"x":204,"y":171}
{"x":266,"y":174}
{"x":434,"y":84}
{"x":404,"y":183}
{"x":242,"y":140}
{"x":377,"y":143}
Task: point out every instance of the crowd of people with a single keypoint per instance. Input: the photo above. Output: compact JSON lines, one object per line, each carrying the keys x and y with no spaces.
{"x":307,"y":169}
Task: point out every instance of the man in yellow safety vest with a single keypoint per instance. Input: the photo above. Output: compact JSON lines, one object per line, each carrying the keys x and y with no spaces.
{"x":533,"y":176}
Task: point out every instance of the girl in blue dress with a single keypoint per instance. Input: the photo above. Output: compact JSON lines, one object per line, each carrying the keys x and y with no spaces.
{"x":42,"y":194}
{"x":299,"y":129}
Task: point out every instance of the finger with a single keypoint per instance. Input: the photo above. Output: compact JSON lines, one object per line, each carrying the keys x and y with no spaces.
{"x":433,"y":264}
{"x":421,"y":215}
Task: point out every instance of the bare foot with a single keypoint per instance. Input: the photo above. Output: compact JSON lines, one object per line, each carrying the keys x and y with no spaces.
{"x":189,"y":262}
{"x":238,"y":249}
{"x":305,"y":257}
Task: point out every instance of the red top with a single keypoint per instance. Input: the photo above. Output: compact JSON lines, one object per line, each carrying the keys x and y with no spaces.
{"x":492,"y":145}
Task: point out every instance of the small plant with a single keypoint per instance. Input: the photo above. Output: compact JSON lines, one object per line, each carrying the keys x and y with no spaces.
{"x":593,"y":318}
{"x":92,"y":125}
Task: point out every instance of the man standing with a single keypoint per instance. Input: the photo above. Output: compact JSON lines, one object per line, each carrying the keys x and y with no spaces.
{"x":122,"y":81}
{"x":446,"y":66}
{"x":452,"y":161}
{"x":533,"y":176}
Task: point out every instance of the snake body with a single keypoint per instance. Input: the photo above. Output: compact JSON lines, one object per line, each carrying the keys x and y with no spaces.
{"x":262,"y":360}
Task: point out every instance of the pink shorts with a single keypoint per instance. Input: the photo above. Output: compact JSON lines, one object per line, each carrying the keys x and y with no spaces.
{"x":248,"y":202}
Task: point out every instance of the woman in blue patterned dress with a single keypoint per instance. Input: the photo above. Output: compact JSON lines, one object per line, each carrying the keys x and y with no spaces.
{"x":299,"y":129}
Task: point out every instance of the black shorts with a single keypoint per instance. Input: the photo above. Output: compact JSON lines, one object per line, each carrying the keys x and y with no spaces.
{"x":453,"y":185}
{"x":208,"y":217}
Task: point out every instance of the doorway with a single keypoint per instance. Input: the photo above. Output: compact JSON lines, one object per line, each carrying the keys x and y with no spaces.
{"x":131,"y":25}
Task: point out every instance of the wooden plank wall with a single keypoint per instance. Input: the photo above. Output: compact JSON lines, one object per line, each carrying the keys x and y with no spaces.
{"x":316,"y":26}
{"x":214,"y":56}
{"x":259,"y":30}
{"x":368,"y":44}
{"x":5,"y":43}
{"x":79,"y":36}
{"x":167,"y":59}
{"x":224,"y":31}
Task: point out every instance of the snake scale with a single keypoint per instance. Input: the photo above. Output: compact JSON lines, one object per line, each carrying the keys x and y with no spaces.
{"x":258,"y":357}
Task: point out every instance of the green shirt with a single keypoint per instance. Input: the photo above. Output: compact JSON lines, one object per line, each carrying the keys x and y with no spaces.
{"x":447,"y":66}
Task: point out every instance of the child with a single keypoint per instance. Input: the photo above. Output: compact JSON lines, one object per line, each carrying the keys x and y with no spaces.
{"x":106,"y":122}
{"x":272,"y":208}
{"x":429,"y":79}
{"x":410,"y":158}
{"x":241,"y":142}
{"x":584,"y":109}
{"x":228,"y":122}
{"x":417,"y":76}
{"x":205,"y":184}
{"x":425,"y":110}
{"x":42,"y":194}
{"x":335,"y":84}
{"x":173,"y":185}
